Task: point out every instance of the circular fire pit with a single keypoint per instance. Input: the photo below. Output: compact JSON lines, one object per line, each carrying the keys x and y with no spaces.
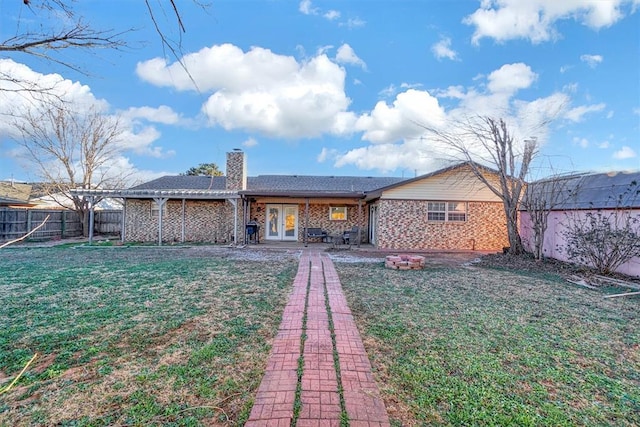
{"x":404,"y":262}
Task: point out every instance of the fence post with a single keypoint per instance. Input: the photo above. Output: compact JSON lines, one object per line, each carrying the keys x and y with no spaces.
{"x":29,"y":212}
{"x":63,"y":223}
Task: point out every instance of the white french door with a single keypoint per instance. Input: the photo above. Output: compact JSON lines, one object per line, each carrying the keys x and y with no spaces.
{"x":281,"y":222}
{"x":373,"y":223}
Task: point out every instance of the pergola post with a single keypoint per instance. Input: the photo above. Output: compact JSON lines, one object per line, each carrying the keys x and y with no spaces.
{"x":90,"y":200}
{"x":182,"y":228}
{"x":234,"y":202}
{"x":306,"y":221}
{"x":361,"y":220}
{"x":124,"y":220}
{"x":160,"y":201}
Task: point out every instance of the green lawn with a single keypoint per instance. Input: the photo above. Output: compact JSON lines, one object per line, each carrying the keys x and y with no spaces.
{"x":180,"y":336}
{"x":135,"y":335}
{"x":458,"y":346}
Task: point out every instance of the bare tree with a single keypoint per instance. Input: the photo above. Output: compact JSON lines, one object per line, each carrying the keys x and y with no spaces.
{"x":486,"y":140}
{"x":59,"y":29}
{"x":540,"y":198}
{"x":71,"y":149}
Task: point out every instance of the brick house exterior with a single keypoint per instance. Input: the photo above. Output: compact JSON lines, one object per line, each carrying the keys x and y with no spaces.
{"x":402,"y":225}
{"x":445,"y":210}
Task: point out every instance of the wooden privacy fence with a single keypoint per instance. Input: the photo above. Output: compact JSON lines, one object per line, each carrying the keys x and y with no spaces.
{"x":15,"y":223}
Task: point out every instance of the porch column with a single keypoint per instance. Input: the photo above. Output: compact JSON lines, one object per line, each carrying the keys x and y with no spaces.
{"x":234,"y":202}
{"x":160,"y":201}
{"x":184,"y":208}
{"x":306,"y":221}
{"x":123,"y":221}
{"x":246,"y":214}
{"x":361,"y":219}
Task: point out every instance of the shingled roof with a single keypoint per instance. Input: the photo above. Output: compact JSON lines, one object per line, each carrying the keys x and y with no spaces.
{"x":595,"y":191}
{"x":180,"y":182}
{"x":271,"y":184}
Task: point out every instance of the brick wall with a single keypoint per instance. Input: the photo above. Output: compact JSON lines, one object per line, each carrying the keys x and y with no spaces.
{"x":402,"y":224}
{"x":204,"y":221}
{"x":318,"y":217}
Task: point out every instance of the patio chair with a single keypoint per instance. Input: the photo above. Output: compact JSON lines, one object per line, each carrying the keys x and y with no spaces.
{"x":351,"y":237}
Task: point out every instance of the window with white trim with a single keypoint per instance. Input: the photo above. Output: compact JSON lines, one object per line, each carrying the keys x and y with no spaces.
{"x":338,"y":213}
{"x":447,"y":211}
{"x":155,"y":210}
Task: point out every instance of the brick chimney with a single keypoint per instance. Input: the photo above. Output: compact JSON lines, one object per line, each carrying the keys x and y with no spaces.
{"x":236,"y":170}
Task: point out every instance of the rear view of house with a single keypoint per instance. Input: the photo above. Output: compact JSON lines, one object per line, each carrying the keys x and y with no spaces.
{"x":449,"y":209}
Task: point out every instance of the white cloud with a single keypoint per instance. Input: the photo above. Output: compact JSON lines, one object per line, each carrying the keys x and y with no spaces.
{"x":604,"y":144}
{"x":219,"y":66}
{"x":535,"y":20}
{"x":388,"y":91}
{"x":610,"y":114}
{"x":250,"y":142}
{"x":354,"y":23}
{"x":570,"y":88}
{"x":455,"y":92}
{"x":565,"y":68}
{"x":327,"y":154}
{"x":410,"y":85}
{"x":511,"y":77}
{"x":442,"y":49}
{"x":346,"y":55}
{"x":390,"y":123}
{"x":261,"y":91}
{"x":162,"y":114}
{"x":625,"y":152}
{"x":636,"y":111}
{"x":591,"y":60}
{"x":306,"y":8}
{"x":413,"y":157}
{"x":332,"y":15}
{"x":393,"y":140}
{"x":581,"y":142}
{"x":577,"y":114}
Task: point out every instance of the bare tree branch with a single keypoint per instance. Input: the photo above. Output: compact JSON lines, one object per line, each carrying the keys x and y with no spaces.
{"x":48,"y":43}
{"x":11,"y":242}
{"x":542,"y":197}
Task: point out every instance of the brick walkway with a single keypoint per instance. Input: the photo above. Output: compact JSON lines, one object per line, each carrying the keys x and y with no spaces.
{"x":317,"y":308}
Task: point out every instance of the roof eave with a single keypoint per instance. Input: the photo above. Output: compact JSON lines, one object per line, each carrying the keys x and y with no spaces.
{"x":304,"y":194}
{"x":152,"y":194}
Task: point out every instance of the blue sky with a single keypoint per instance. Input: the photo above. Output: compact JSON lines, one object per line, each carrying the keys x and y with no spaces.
{"x":336,"y":88}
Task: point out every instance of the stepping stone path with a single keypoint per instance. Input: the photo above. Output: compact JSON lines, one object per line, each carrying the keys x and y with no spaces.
{"x":318,"y":370}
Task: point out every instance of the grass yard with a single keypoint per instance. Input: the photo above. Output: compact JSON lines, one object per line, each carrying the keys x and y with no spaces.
{"x":474,"y":346}
{"x":136,"y":335}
